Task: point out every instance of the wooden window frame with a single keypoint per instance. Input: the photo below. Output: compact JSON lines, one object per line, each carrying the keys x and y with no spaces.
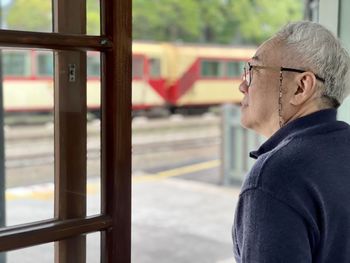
{"x":70,"y":222}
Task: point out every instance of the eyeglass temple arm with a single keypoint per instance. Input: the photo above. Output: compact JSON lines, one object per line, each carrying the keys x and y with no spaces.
{"x":301,"y":71}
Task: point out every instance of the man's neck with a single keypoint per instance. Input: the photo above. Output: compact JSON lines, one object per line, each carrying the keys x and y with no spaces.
{"x":303,"y":111}
{"x":308,"y":109}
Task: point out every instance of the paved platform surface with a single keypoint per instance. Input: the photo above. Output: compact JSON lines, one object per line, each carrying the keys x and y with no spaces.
{"x":176,"y":220}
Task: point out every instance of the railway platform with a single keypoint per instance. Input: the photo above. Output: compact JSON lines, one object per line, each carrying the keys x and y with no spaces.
{"x":175,"y":217}
{"x":180,"y":220}
{"x":180,"y":210}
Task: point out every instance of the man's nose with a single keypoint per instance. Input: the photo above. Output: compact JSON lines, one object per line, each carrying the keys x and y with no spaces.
{"x":243,"y":87}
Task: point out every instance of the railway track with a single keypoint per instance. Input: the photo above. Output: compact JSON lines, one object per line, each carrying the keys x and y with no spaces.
{"x":47,"y":157}
{"x":34,"y":146}
{"x":15,"y":134}
{"x":29,"y":150}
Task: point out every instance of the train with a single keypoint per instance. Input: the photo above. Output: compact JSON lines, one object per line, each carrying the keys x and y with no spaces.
{"x":166,"y":76}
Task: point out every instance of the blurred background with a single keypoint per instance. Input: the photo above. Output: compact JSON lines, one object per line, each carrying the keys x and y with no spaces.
{"x":189,"y":152}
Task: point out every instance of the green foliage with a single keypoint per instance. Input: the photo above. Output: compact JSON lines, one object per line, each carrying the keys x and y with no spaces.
{"x":220,"y":21}
{"x":93,"y":17}
{"x":259,"y":19}
{"x":30,"y":15}
{"x":166,"y":20}
{"x":36,"y":15}
{"x":212,"y":19}
{"x":209,"y":21}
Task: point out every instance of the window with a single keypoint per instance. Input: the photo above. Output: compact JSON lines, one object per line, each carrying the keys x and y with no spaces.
{"x":154,"y":64}
{"x":16,"y":63}
{"x":45,"y":64}
{"x":234,"y":68}
{"x":212,"y":68}
{"x":221,"y":69}
{"x":93,"y":65}
{"x":137,"y":67}
{"x":70,"y":44}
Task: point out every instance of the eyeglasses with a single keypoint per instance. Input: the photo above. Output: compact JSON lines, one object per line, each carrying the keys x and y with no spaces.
{"x":248,"y":75}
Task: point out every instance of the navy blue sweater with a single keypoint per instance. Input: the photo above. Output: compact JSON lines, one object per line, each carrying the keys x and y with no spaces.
{"x":294,"y":205}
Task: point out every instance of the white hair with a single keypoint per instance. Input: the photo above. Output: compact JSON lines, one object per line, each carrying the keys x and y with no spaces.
{"x":320,"y":51}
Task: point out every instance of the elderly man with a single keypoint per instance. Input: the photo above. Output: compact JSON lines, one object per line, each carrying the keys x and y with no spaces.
{"x":294,"y":205}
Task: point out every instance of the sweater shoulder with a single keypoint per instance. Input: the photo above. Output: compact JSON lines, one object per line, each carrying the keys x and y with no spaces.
{"x":298,"y":160}
{"x":267,"y":165}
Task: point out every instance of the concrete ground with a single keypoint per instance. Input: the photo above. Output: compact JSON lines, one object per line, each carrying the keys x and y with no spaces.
{"x":176,"y":220}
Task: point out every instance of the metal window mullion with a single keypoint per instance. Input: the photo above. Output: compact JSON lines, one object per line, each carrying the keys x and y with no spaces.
{"x":70,"y":129}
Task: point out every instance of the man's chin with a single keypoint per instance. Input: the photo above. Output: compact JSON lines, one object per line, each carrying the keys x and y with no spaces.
{"x":244,"y":121}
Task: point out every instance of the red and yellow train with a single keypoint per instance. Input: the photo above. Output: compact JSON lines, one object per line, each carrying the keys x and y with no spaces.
{"x":164,"y":76}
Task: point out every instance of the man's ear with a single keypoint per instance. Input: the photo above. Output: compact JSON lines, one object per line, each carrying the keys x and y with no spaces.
{"x":304,"y":89}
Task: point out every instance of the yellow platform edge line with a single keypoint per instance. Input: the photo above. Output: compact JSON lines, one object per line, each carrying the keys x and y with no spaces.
{"x":93,"y":188}
{"x":177,"y":171}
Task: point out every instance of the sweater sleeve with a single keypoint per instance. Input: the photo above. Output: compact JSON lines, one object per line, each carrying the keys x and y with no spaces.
{"x":267,"y":230}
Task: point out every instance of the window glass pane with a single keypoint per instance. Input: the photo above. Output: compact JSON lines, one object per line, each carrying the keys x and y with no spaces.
{"x":16,"y":63}
{"x":28,"y":15}
{"x":32,"y":254}
{"x":93,"y":245}
{"x":211,"y":68}
{"x":154,"y":67}
{"x":46,"y":252}
{"x":28,"y":142}
{"x":93,"y":95}
{"x":93,"y":17}
{"x":93,"y":64}
{"x":93,"y":187}
{"x":234,"y":68}
{"x":45,"y":64}
{"x":137,"y":67}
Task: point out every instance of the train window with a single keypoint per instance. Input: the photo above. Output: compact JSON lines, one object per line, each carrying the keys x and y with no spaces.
{"x":93,"y":66}
{"x":45,"y":64}
{"x":154,"y":67}
{"x":137,"y":67}
{"x":234,"y":68}
{"x":211,"y":68}
{"x":16,"y":63}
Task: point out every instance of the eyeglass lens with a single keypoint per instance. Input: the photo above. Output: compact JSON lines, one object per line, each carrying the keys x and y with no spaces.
{"x":247,"y":74}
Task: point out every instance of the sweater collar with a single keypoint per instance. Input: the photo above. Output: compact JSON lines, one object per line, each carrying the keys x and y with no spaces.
{"x":294,"y":126}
